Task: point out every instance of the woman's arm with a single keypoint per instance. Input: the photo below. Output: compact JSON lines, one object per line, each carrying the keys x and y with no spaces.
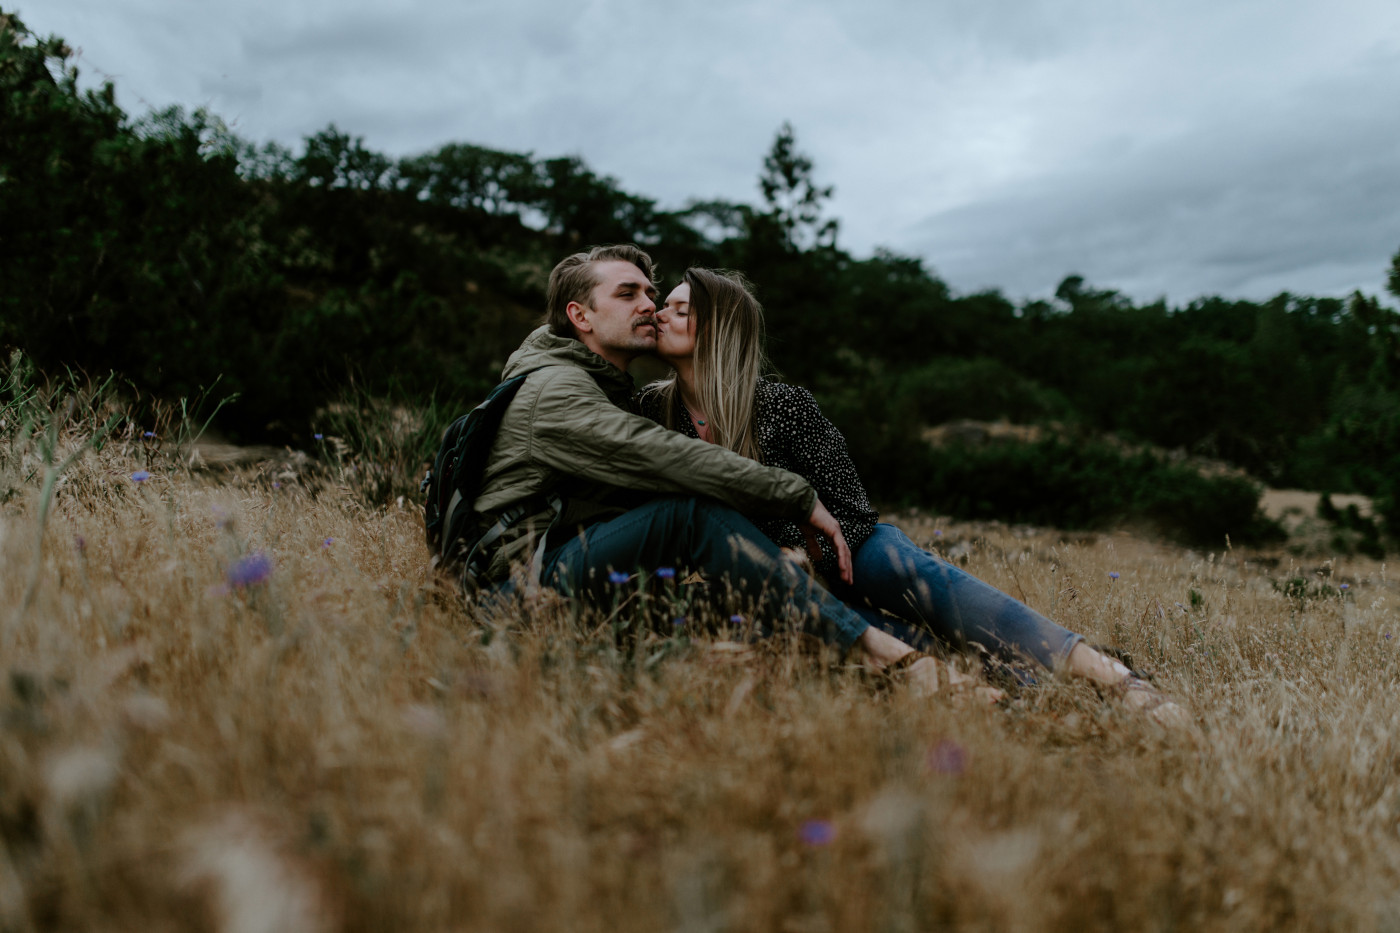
{"x":804,"y":441}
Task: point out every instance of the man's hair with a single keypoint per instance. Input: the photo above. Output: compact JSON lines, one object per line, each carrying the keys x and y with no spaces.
{"x":575,"y":278}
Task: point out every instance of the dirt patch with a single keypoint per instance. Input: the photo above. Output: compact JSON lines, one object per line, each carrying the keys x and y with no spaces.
{"x":1285,"y":503}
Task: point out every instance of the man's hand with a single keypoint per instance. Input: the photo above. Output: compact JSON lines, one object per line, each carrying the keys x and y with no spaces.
{"x":821,"y":522}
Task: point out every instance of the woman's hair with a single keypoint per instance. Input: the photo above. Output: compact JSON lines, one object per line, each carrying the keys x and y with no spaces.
{"x":729,"y":359}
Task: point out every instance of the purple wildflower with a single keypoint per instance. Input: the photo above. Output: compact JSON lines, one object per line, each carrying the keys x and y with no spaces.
{"x":80,"y":542}
{"x":140,"y":476}
{"x":327,"y":543}
{"x":149,"y":434}
{"x":276,"y":485}
{"x":678,"y":621}
{"x":737,"y":619}
{"x":618,"y":577}
{"x":1387,"y":636}
{"x":665,"y":573}
{"x":947,"y":757}
{"x":1113,"y":575}
{"x":318,"y":436}
{"x":251,"y":570}
{"x":938,"y":532}
{"x":1346,"y":586}
{"x":817,"y":833}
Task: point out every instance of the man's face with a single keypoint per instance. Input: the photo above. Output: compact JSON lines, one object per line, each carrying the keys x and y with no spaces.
{"x":617,"y":322}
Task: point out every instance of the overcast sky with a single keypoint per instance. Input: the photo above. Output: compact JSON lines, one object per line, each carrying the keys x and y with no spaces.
{"x":1173,"y":148}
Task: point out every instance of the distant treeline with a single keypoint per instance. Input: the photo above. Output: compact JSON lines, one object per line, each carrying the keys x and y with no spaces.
{"x":173,"y":252}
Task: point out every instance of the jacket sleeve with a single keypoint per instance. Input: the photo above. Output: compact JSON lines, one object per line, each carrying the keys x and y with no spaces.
{"x":576,"y":430}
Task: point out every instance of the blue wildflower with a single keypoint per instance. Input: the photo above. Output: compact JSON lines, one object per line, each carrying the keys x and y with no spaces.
{"x":737,"y":619}
{"x":1346,"y":586}
{"x":665,"y":573}
{"x":276,"y":485}
{"x":149,"y":434}
{"x":318,"y":436}
{"x":938,"y":532}
{"x":678,"y":621}
{"x":328,"y":542}
{"x":618,"y":577}
{"x":1113,"y":575}
{"x":140,"y":476}
{"x":817,"y":833}
{"x":252,"y":570}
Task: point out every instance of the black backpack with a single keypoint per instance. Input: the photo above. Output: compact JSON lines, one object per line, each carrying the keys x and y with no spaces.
{"x":456,"y":535}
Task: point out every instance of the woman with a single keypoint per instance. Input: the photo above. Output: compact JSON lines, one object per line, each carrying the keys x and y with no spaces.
{"x":710,"y":330}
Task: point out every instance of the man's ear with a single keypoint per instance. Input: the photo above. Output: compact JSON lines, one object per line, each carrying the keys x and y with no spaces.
{"x":575,"y":312}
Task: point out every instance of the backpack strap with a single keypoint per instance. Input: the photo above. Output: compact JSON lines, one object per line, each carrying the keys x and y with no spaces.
{"x":479,"y":558}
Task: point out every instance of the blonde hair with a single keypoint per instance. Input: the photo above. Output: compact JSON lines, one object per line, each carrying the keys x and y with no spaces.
{"x":729,"y":359}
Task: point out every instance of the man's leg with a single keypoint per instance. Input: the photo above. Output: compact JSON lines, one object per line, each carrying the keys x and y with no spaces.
{"x":706,"y":536}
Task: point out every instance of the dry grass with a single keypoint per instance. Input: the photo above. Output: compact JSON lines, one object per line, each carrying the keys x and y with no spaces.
{"x":345,"y":746}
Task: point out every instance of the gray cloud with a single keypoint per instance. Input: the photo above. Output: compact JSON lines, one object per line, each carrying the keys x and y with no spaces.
{"x":1174,"y":149}
{"x":1299,"y":197}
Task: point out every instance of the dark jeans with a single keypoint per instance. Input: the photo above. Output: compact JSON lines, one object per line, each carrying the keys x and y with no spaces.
{"x":930,"y":595}
{"x":697,"y":534}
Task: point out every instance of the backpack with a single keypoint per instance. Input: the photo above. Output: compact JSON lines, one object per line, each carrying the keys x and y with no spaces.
{"x":450,"y":489}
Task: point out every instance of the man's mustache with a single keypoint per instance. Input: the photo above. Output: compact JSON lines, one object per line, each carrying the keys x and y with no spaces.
{"x":645,"y":322}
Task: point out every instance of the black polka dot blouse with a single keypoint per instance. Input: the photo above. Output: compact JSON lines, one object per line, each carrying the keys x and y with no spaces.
{"x":795,"y":435}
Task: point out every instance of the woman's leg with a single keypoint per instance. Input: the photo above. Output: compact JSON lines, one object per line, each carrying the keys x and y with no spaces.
{"x":894,"y":574}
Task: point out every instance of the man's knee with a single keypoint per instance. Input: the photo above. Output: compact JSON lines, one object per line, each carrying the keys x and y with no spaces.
{"x":707,"y":511}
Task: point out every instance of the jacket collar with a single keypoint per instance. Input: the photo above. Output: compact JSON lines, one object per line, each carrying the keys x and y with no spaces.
{"x":545,"y":348}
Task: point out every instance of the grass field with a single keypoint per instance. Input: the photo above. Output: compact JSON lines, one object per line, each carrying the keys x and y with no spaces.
{"x":238,"y":701}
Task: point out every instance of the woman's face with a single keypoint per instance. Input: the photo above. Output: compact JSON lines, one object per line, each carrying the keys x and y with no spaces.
{"x":675,"y":328}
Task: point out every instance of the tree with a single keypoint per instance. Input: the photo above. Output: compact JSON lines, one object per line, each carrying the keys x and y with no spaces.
{"x":474,"y":178}
{"x":794,"y":200}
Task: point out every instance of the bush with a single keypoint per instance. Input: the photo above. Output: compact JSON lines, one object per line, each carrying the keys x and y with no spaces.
{"x":981,"y":388}
{"x":1081,"y":485}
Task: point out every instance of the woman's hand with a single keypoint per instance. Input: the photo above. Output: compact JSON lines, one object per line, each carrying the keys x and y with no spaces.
{"x":822,"y":522}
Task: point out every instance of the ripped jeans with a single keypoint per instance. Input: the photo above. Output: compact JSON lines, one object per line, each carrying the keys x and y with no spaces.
{"x":932,"y":597}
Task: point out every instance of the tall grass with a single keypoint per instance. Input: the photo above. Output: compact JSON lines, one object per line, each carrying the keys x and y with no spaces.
{"x":342,"y":743}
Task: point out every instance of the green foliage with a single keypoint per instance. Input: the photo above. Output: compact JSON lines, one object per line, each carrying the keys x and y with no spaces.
{"x":980,"y":388}
{"x":1085,"y":485}
{"x":176,"y":254}
{"x":794,"y":200}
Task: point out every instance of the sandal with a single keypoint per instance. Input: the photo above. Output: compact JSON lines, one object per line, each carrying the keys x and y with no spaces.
{"x":946,"y":679}
{"x":1142,"y":697}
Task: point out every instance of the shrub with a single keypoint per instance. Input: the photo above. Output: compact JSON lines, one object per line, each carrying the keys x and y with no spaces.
{"x":1081,"y":485}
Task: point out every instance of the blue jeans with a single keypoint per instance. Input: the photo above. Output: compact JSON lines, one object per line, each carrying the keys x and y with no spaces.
{"x":697,"y":534}
{"x":932,"y":596}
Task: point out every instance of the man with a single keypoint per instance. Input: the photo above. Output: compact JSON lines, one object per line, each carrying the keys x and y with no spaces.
{"x":609,"y":492}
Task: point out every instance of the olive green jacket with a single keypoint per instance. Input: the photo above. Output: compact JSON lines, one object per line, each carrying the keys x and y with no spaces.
{"x":570,"y":433}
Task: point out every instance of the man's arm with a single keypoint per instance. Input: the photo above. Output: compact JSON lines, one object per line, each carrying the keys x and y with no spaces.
{"x":577,"y":430}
